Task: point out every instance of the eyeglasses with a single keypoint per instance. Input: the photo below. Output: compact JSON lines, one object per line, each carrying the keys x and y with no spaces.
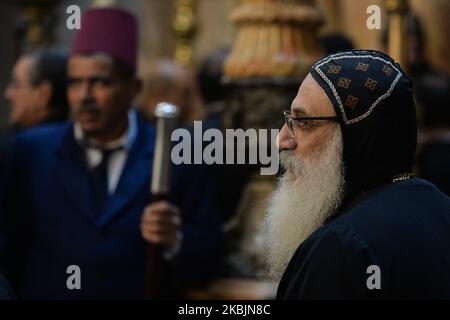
{"x":302,"y":121}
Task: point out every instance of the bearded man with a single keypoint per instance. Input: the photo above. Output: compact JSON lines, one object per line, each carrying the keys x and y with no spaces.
{"x":77,"y":194}
{"x":348,"y":220}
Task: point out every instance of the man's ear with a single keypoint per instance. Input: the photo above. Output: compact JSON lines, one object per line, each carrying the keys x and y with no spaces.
{"x":137,"y":86}
{"x":44,"y":93}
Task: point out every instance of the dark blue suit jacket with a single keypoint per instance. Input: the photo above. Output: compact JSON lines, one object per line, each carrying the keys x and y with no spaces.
{"x":50,"y":221}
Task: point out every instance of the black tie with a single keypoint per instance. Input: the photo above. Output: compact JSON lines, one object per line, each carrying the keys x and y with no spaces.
{"x":100,"y":180}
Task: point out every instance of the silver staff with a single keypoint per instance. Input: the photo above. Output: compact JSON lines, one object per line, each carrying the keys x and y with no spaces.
{"x":166,"y":115}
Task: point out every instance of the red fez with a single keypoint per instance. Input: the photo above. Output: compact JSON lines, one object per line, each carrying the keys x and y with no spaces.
{"x":108,"y":30}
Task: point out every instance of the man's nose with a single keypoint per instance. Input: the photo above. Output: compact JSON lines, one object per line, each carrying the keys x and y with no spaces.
{"x":285,"y":141}
{"x":86,"y":92}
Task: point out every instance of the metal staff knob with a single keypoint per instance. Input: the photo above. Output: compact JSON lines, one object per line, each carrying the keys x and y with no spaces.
{"x":166,"y":115}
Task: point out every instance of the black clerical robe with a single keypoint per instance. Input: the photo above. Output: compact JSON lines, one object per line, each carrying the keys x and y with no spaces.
{"x":393,"y":243}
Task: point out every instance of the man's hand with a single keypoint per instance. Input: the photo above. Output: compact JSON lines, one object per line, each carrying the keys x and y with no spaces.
{"x":160,"y":223}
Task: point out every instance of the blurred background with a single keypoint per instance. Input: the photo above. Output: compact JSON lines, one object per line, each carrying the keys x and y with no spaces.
{"x":31,"y":23}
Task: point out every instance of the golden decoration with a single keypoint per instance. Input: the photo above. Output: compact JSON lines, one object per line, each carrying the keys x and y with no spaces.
{"x":184,"y":27}
{"x":275,"y":38}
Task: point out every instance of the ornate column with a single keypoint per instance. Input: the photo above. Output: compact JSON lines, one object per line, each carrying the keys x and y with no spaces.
{"x":184,"y":27}
{"x":396,"y":47}
{"x":275,"y":45}
{"x":275,"y":38}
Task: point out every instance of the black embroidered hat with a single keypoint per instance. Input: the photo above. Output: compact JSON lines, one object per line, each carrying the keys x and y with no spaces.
{"x":373,"y":98}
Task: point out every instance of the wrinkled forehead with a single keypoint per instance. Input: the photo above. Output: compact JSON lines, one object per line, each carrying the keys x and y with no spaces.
{"x":84,"y":64}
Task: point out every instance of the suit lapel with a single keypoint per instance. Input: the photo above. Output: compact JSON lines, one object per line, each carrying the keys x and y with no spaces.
{"x":74,"y":175}
{"x":135,"y":175}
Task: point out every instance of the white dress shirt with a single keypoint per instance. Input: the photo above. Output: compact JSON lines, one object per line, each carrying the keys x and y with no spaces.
{"x":117,"y":162}
{"x":118,"y":158}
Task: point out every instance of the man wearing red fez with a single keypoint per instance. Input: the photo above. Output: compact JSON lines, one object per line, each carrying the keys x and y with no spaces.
{"x":78,"y":220}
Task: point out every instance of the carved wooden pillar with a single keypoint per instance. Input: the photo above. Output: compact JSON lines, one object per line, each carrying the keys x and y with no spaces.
{"x":396,"y":46}
{"x":184,"y":27}
{"x":275,"y":45}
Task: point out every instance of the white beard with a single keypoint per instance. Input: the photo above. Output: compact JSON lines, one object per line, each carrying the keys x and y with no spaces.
{"x":307,"y":194}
